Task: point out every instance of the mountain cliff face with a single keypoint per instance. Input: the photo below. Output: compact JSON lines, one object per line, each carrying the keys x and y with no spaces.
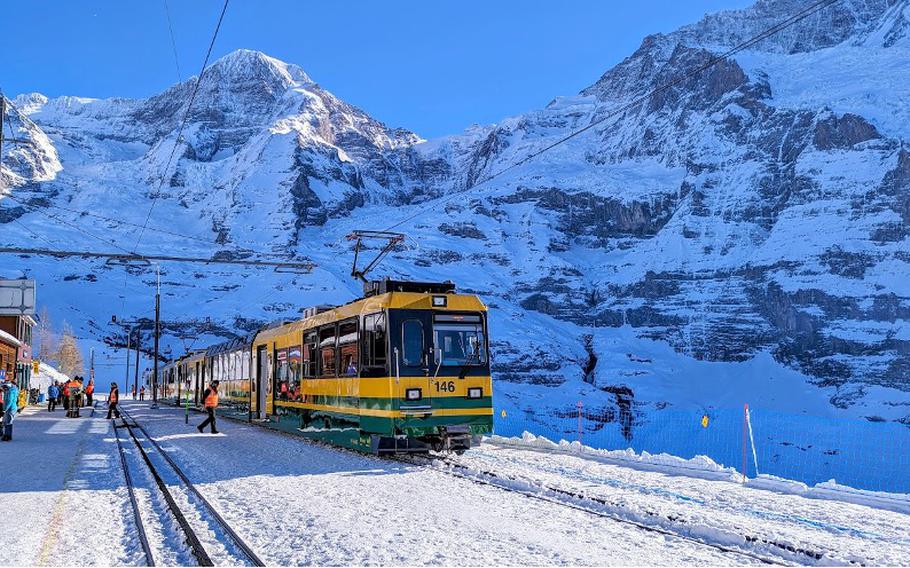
{"x":742,"y":236}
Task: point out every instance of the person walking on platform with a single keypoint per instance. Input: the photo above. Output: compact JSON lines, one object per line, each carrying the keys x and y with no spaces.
{"x":134,"y":392}
{"x":112,"y":400}
{"x":89,"y":391}
{"x":10,"y":408}
{"x":142,"y":392}
{"x":210,"y":398}
{"x":53,"y":392}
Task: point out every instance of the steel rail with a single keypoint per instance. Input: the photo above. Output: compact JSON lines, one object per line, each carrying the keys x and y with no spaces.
{"x":131,"y":490}
{"x":199,"y":552}
{"x":241,"y":544}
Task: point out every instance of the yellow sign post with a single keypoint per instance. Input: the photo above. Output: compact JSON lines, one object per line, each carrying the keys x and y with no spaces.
{"x":36,"y":366}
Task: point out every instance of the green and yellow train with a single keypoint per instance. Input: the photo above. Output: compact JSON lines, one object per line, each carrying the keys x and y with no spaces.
{"x":404,"y":369}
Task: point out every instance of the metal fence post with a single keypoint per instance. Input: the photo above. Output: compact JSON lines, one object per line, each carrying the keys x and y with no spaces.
{"x":580,"y":406}
{"x":745,"y":426}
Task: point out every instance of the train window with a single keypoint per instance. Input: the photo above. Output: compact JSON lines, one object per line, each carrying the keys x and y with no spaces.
{"x":294,"y":373}
{"x":310,"y":354}
{"x":461,"y":343}
{"x":373,"y":352}
{"x":281,"y":374}
{"x":347,"y":347}
{"x":412,"y":341}
{"x":327,"y":351}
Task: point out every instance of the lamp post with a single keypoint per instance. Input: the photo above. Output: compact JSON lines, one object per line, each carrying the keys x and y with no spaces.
{"x":157,"y":329}
{"x":138,"y":352}
{"x":126,"y":380}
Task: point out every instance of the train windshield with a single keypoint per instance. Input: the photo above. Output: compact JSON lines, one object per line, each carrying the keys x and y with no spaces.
{"x":461,"y":342}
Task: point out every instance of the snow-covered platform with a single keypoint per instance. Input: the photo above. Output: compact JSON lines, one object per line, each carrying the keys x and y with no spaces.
{"x":63,"y":492}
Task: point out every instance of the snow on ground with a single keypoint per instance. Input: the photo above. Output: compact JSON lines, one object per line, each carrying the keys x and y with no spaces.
{"x":300,"y":503}
{"x":297,"y":502}
{"x":667,"y":495}
{"x":65,"y":502}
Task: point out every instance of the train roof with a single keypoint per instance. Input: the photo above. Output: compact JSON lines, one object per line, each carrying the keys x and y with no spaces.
{"x":230,"y":345}
{"x":361,"y":306}
{"x":191,"y":356}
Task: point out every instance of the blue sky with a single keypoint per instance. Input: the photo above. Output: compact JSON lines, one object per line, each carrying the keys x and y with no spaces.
{"x":433,"y":67}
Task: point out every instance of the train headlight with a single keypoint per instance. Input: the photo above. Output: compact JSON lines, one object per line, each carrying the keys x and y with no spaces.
{"x":440,"y":301}
{"x":413,"y":394}
{"x":475,"y":392}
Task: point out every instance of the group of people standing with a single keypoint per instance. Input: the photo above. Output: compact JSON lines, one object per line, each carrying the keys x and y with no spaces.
{"x":71,"y":394}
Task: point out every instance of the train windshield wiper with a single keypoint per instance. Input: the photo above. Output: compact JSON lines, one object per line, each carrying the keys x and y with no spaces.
{"x":475,"y":354}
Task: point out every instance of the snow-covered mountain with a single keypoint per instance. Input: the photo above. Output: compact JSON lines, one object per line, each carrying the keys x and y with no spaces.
{"x":741,"y":237}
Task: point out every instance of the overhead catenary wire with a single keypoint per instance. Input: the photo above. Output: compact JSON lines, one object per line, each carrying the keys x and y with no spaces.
{"x":183,"y":122}
{"x":67,"y":223}
{"x":799,"y":16}
{"x":33,"y":233}
{"x":170,"y":27}
{"x":157,"y":230}
{"x":128,"y":257}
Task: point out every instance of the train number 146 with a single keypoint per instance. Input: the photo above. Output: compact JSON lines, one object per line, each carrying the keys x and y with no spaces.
{"x":445,"y":386}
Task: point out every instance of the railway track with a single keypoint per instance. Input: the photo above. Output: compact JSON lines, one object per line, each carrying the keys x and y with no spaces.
{"x":590,"y":505}
{"x":194,"y":517}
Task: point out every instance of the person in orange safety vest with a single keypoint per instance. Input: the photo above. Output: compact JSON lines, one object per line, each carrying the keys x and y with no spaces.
{"x":89,"y":391}
{"x":210,"y":398}
{"x":112,"y":400}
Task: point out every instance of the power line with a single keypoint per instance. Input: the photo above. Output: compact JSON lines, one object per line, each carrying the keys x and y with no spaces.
{"x":167,"y":13}
{"x":186,"y":116}
{"x":299,"y":267}
{"x":822,"y":4}
{"x":154,"y":229}
{"x":67,"y":223}
{"x":31,"y":232}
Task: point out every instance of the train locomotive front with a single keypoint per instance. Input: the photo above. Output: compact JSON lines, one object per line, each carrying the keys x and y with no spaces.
{"x":404,"y":369}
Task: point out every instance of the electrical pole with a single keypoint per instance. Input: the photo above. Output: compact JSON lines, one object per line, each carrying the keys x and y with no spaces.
{"x":138,"y":353}
{"x":91,"y":365}
{"x":157,"y":320}
{"x":126,"y":382}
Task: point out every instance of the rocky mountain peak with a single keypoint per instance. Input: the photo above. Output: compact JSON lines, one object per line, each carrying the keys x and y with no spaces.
{"x":245,"y":67}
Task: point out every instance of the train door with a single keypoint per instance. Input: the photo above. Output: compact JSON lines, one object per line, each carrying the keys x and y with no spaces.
{"x":414,"y":362}
{"x":178,"y":377}
{"x":261,"y":378}
{"x":197,"y":394}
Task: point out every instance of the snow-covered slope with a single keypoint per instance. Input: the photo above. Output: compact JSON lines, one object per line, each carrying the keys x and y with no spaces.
{"x":741,"y":237}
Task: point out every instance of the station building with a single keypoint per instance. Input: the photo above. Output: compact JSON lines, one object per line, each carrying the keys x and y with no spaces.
{"x":17,"y":321}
